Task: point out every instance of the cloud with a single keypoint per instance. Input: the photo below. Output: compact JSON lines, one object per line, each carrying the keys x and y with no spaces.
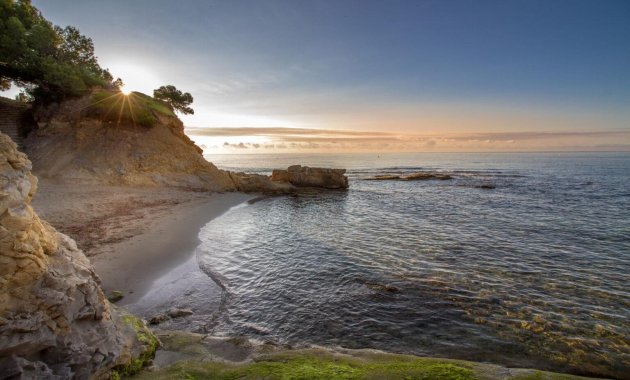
{"x":277,"y":131}
{"x":331,"y":140}
{"x":348,"y":134}
{"x":235,"y":146}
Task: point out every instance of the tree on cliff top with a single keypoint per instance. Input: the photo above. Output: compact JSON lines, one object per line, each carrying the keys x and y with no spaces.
{"x":178,"y":101}
{"x":51,"y":62}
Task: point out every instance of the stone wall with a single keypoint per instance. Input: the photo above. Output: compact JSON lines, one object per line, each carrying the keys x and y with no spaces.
{"x":15,"y":119}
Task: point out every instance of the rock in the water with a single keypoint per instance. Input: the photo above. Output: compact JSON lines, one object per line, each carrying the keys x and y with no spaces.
{"x":178,"y":312}
{"x":304,"y":176}
{"x":290,"y":181}
{"x":54,"y":319}
{"x":115,"y":296}
{"x":256,"y":183}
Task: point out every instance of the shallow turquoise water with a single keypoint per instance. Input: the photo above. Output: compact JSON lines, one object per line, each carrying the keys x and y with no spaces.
{"x":533,"y":271}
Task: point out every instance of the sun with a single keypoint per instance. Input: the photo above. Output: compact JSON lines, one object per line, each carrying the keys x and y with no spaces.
{"x":137,"y":76}
{"x":125,"y":90}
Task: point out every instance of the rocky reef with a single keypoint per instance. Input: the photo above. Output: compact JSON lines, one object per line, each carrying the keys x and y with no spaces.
{"x":420,"y":176}
{"x":55,"y":322}
{"x":304,"y":176}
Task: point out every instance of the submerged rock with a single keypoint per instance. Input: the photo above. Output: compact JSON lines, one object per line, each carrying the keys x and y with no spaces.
{"x":421,"y":176}
{"x":54,"y":319}
{"x":304,"y":176}
{"x":157,"y":319}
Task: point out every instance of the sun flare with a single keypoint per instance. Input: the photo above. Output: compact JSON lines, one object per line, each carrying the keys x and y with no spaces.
{"x":137,"y":76}
{"x":125,"y":90}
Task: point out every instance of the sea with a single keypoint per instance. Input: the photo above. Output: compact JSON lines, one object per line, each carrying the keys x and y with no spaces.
{"x":520,"y":259}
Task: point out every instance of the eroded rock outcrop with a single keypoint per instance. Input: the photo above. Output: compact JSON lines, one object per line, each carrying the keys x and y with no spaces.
{"x":54,"y":320}
{"x":304,"y":176}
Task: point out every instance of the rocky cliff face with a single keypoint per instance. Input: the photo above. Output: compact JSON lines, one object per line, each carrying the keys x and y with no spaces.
{"x":72,"y":144}
{"x":54,"y":319}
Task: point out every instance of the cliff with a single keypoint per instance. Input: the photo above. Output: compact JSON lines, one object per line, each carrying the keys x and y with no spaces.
{"x":107,"y":137}
{"x":54,"y":319}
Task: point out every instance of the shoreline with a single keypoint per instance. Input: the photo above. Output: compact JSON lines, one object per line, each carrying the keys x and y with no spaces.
{"x":147,"y":257}
{"x":133,"y":236}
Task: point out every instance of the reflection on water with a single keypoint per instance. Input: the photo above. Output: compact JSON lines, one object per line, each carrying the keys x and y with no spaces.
{"x":529,"y":270}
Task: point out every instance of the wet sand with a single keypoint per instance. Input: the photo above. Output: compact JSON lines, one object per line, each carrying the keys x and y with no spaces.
{"x":133,"y":235}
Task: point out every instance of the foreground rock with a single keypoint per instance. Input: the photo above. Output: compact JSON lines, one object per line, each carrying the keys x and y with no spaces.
{"x":303,"y":176}
{"x":55,"y":322}
{"x":422,"y":176}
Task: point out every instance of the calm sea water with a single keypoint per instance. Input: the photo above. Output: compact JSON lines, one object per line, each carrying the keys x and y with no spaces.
{"x":520,"y":259}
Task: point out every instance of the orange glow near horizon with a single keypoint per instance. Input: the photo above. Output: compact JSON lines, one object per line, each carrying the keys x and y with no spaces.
{"x":303,"y":140}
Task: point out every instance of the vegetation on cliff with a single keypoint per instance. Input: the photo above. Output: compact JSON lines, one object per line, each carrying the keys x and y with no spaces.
{"x":50,"y":62}
{"x":135,"y":108}
{"x":177,"y":100}
{"x":53,"y":63}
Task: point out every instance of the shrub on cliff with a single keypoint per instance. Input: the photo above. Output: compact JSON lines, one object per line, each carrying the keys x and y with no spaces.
{"x":51,"y":62}
{"x":177,"y":100}
{"x":135,"y":108}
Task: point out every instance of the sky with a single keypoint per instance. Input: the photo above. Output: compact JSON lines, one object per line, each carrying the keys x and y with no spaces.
{"x":341,"y":75}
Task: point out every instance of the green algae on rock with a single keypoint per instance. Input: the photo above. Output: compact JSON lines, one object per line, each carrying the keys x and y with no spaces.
{"x":207,"y":357}
{"x":147,"y":353}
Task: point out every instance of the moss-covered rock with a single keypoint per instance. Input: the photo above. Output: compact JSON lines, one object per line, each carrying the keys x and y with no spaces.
{"x":208,"y":359}
{"x":146,"y":351}
{"x":316,"y":364}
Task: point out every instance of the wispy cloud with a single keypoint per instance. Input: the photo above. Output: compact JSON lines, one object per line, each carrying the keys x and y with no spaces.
{"x":295,"y":139}
{"x":279,"y":132}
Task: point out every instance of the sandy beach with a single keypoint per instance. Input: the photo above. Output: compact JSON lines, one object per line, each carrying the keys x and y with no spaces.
{"x":132,"y":235}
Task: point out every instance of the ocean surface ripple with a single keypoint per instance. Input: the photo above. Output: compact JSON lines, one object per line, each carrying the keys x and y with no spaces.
{"x":521,"y":260}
